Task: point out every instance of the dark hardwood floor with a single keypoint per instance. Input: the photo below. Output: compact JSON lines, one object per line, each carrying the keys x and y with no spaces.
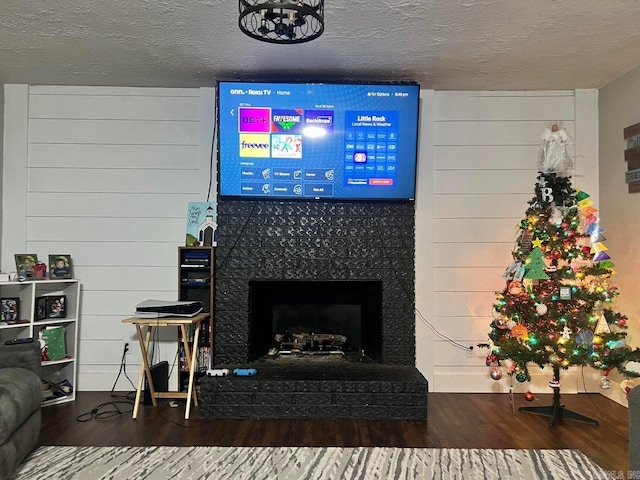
{"x":454,"y":420}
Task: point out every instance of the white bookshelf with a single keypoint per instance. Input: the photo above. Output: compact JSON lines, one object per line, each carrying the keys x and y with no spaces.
{"x":29,"y":325}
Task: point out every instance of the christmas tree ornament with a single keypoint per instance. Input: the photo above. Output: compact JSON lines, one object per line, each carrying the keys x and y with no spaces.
{"x":535,"y":265}
{"x":605,"y":384}
{"x":585,"y":207}
{"x":626,"y":386}
{"x":519,"y":331}
{"x":580,"y":195}
{"x":491,"y":358}
{"x":496,"y":373}
{"x":510,"y":364}
{"x":591,"y":219}
{"x":521,"y":377}
{"x":515,"y":288}
{"x":600,"y":256}
{"x":541,"y":309}
{"x":554,"y":383}
{"x":566,"y":333}
{"x":593,"y":228}
{"x":556,"y":216}
{"x":529,"y":397}
{"x":602,"y":326}
{"x":584,"y":337}
{"x":537,"y":243}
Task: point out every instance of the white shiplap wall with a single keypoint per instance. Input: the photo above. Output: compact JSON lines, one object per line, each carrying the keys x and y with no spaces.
{"x":105,"y":174}
{"x":485,"y":153}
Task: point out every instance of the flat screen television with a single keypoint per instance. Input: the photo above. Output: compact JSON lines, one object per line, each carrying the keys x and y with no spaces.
{"x":317,"y":140}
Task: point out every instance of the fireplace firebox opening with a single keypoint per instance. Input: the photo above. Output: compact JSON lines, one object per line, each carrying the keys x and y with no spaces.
{"x":343,"y":315}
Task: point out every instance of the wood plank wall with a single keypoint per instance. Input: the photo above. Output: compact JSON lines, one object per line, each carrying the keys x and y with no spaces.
{"x":105,"y":175}
{"x":108,"y":175}
{"x":486,"y":146}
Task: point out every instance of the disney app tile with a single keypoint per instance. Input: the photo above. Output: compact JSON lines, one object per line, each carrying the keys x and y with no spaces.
{"x":286,"y":121}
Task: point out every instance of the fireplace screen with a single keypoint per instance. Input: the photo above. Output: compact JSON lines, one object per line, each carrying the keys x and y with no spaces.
{"x":315,"y":318}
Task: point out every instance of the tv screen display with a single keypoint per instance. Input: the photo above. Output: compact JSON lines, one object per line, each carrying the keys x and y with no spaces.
{"x":317,"y":140}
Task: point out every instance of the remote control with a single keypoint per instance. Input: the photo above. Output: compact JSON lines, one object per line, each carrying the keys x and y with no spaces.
{"x":18,"y":341}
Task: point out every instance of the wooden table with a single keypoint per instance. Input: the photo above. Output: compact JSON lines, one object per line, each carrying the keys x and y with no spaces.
{"x":190,"y":354}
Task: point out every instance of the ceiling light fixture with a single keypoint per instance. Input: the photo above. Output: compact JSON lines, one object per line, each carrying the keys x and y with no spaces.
{"x":282,"y":21}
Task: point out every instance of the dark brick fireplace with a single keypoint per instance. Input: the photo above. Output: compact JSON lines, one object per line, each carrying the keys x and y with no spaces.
{"x":328,"y":246}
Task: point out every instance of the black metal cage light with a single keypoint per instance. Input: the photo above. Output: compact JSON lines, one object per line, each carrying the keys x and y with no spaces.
{"x":282,"y":21}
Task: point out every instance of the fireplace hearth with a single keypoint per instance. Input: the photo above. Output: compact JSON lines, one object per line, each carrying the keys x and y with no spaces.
{"x":337,"y":268}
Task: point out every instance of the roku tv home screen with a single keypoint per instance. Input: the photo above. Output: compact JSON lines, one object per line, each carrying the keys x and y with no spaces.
{"x":317,"y":140}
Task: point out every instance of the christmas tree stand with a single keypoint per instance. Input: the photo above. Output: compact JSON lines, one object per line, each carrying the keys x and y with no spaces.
{"x":557,"y":411}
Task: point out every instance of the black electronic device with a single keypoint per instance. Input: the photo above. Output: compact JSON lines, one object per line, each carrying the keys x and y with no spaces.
{"x":160,"y":377}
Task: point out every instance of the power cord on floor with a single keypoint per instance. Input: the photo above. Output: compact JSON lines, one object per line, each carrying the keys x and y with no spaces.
{"x":102,"y":411}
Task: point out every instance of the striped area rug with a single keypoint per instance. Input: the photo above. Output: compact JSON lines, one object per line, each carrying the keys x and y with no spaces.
{"x":296,"y":463}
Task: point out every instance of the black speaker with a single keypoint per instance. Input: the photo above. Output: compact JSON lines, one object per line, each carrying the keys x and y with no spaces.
{"x":160,"y":377}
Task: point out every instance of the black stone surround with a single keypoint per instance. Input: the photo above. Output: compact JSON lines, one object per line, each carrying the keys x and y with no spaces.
{"x":348,"y":390}
{"x":314,"y":241}
{"x":259,"y":240}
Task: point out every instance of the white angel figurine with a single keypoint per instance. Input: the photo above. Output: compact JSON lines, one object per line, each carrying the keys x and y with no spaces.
{"x":553,"y":154}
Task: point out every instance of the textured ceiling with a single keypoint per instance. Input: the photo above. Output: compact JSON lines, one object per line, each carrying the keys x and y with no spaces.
{"x":442,"y":44}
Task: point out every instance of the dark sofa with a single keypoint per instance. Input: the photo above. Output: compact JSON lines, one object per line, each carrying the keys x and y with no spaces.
{"x":20,"y":403}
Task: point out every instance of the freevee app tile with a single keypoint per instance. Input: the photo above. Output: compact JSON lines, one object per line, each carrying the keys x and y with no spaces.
{"x":255,"y":145}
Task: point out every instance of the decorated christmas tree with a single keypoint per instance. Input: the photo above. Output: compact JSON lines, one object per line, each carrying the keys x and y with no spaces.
{"x":556,"y":307}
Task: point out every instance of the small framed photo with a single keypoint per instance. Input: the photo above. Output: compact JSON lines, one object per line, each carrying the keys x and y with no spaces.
{"x":41,"y":308}
{"x":60,"y":266}
{"x":10,"y":311}
{"x":565,"y":293}
{"x":51,"y":306}
{"x":25,"y":265}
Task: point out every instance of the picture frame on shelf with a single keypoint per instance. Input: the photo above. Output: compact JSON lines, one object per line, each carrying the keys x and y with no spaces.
{"x":51,"y":306}
{"x":56,"y":306}
{"x":60,"y":266}
{"x":41,"y":308}
{"x":10,"y":310}
{"x":25,"y":265}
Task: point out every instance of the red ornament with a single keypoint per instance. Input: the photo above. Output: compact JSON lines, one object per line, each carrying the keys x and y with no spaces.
{"x":622,"y":322}
{"x":586,"y":250}
{"x":529,"y":397}
{"x":556,"y":254}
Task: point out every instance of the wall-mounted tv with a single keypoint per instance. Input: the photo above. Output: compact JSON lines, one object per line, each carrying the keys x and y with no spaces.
{"x":317,"y":140}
